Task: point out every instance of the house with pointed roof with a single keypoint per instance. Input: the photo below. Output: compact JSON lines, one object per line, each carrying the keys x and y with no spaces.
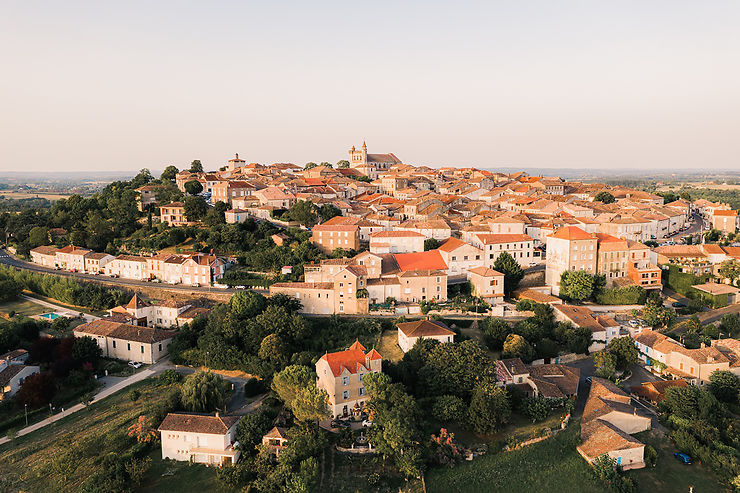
{"x":410,"y":332}
{"x":200,"y":438}
{"x":275,"y":439}
{"x":607,"y":423}
{"x":340,"y":374}
{"x":127,"y":342}
{"x":141,"y":313}
{"x":603,"y":327}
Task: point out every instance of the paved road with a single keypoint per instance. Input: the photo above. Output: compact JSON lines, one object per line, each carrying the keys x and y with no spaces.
{"x":6,"y":259}
{"x":714,"y":315}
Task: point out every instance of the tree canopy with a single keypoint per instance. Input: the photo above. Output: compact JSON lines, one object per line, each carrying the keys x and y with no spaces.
{"x":512,"y":271}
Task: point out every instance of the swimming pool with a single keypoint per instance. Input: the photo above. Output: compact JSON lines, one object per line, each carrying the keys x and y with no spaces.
{"x":50,"y":316}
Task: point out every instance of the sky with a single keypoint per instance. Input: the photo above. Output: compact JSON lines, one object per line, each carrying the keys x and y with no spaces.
{"x":103,"y":86}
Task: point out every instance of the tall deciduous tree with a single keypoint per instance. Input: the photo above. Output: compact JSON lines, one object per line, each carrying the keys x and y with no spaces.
{"x":196,"y":166}
{"x":724,"y":385}
{"x":624,"y":349}
{"x":193,"y":187}
{"x":290,"y":380}
{"x":604,"y":197}
{"x":512,"y":271}
{"x":310,"y":404}
{"x":169,"y":173}
{"x":576,"y":285}
{"x":515,"y":346}
{"x":489,"y":408}
{"x":204,"y":392}
{"x":195,"y":208}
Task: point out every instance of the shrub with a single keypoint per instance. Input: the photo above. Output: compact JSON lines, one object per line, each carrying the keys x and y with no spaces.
{"x":651,"y":456}
{"x":169,"y":377}
{"x":134,"y":395}
{"x":631,"y":295}
{"x":449,"y":408}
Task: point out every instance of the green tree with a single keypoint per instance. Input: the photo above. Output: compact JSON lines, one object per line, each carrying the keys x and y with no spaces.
{"x":290,"y":380}
{"x":604,"y":197}
{"x":730,"y":269}
{"x":204,"y":391}
{"x":310,"y":165}
{"x":327,"y":211}
{"x":449,"y":408}
{"x":272,"y":349}
{"x":193,"y":187}
{"x":624,"y":349}
{"x":495,"y":331}
{"x":195,"y":208}
{"x":576,"y":285}
{"x":86,"y":350}
{"x":512,"y":271}
{"x":536,"y":408}
{"x":196,"y":166}
{"x":730,"y":324}
{"x":342,"y":164}
{"x":489,"y":408}
{"x":38,"y":236}
{"x":606,"y":364}
{"x":169,"y":173}
{"x":515,"y":346}
{"x":247,"y":304}
{"x":303,"y":212}
{"x":657,"y":315}
{"x":724,"y":385}
{"x":431,"y":244}
{"x":252,"y":427}
{"x":310,"y":404}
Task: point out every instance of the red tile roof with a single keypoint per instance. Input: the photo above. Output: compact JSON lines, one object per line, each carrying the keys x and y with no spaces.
{"x":572,"y":233}
{"x":431,"y":260}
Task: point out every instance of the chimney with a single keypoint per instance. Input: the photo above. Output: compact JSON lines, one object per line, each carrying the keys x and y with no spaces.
{"x":217,"y":414}
{"x":702,"y":345}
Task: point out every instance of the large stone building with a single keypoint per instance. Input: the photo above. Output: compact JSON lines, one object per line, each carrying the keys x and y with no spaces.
{"x":341,"y":374}
{"x":371,"y":165}
{"x":199,"y":438}
{"x":127,"y":342}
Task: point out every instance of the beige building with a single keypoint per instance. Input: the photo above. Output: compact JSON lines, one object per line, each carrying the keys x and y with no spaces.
{"x":330,"y":237}
{"x":141,"y":313}
{"x":607,"y":423}
{"x":570,"y":248}
{"x":147,"y":197}
{"x":371,"y":165}
{"x":127,"y":342}
{"x":199,"y":438}
{"x":460,"y":257}
{"x":127,"y":267}
{"x":396,"y":242}
{"x":227,"y":191}
{"x":603,"y":327}
{"x":72,"y":258}
{"x":341,"y":374}
{"x":12,"y":376}
{"x":173,"y":214}
{"x":727,"y":221}
{"x":45,"y":256}
{"x":521,"y":247}
{"x":410,"y":332}
{"x":95,"y":262}
{"x":487,"y":283}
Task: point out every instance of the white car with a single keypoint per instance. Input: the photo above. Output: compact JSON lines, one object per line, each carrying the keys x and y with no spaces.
{"x":134,"y":364}
{"x":634,"y":323}
{"x":367,"y":423}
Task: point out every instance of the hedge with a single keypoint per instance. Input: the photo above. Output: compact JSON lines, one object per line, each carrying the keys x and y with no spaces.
{"x":630,"y":295}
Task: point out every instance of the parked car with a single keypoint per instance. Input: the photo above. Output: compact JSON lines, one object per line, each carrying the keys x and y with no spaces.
{"x":683,"y":458}
{"x":588,"y":379}
{"x":367,"y":423}
{"x":679,"y":304}
{"x":340,"y":423}
{"x":134,"y":364}
{"x":634,"y":323}
{"x":156,"y":280}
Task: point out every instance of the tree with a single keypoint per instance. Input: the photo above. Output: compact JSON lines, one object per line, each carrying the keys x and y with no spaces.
{"x":310,"y":404}
{"x":657,"y":315}
{"x":342,"y":164}
{"x":247,"y":304}
{"x":606,"y":364}
{"x":252,"y":427}
{"x":310,"y":165}
{"x":9,"y":290}
{"x":576,"y":285}
{"x":196,"y":166}
{"x":290,"y":380}
{"x":142,"y":430}
{"x":730,"y":324}
{"x":39,"y":235}
{"x":86,"y":350}
{"x":449,"y":408}
{"x":193,"y":187}
{"x":730,"y":269}
{"x":204,"y":391}
{"x":327,"y":211}
{"x":169,"y":173}
{"x":511,"y":270}
{"x":724,"y":385}
{"x":489,"y":407}
{"x":195,"y":208}
{"x":625,"y":352}
{"x":431,"y":244}
{"x":303,"y":212}
{"x":272,"y":348}
{"x":495,"y":331}
{"x":515,"y":346}
{"x":536,"y":408}
{"x":604,"y":197}
{"x":36,"y":390}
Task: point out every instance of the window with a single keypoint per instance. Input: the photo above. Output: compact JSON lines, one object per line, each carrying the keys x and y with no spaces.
{"x":142,"y":349}
{"x":345,"y":394}
{"x":160,"y":346}
{"x":345,"y":381}
{"x":114,"y":344}
{"x":129,"y":346}
{"x":361,"y":392}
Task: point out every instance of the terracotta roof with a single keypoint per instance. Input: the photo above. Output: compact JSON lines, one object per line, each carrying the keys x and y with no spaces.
{"x":599,"y":437}
{"x":582,"y":316}
{"x":430,"y":260}
{"x":572,"y":233}
{"x":198,"y":423}
{"x":351,"y":359}
{"x":716,"y":289}
{"x":396,"y":234}
{"x":725,"y":213}
{"x":485,"y":272}
{"x":8,"y":373}
{"x":536,"y":296}
{"x":555,"y":381}
{"x":137,"y":302}
{"x":45,"y":250}
{"x":124,"y":331}
{"x":193,"y":312}
{"x":13,"y":354}
{"x":424,"y":328}
{"x":276,"y":432}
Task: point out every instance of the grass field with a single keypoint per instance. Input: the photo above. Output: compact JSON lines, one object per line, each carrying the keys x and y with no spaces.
{"x":28,"y":464}
{"x":669,"y":474}
{"x":388,"y":346}
{"x":34,"y":195}
{"x":23,"y":307}
{"x":552,"y":466}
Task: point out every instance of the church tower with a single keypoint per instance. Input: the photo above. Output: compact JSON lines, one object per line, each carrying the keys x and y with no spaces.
{"x":358,"y":157}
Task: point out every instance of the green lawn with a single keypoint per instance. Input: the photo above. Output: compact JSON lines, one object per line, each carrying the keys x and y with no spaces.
{"x":28,"y":463}
{"x":670,"y":475}
{"x":551,"y":466}
{"x":179,"y":477}
{"x":23,"y":307}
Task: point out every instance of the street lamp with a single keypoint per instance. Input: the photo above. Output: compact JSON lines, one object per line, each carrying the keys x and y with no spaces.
{"x":25,"y":410}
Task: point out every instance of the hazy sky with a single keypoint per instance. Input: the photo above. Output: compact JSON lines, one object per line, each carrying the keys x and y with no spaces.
{"x":99,"y":85}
